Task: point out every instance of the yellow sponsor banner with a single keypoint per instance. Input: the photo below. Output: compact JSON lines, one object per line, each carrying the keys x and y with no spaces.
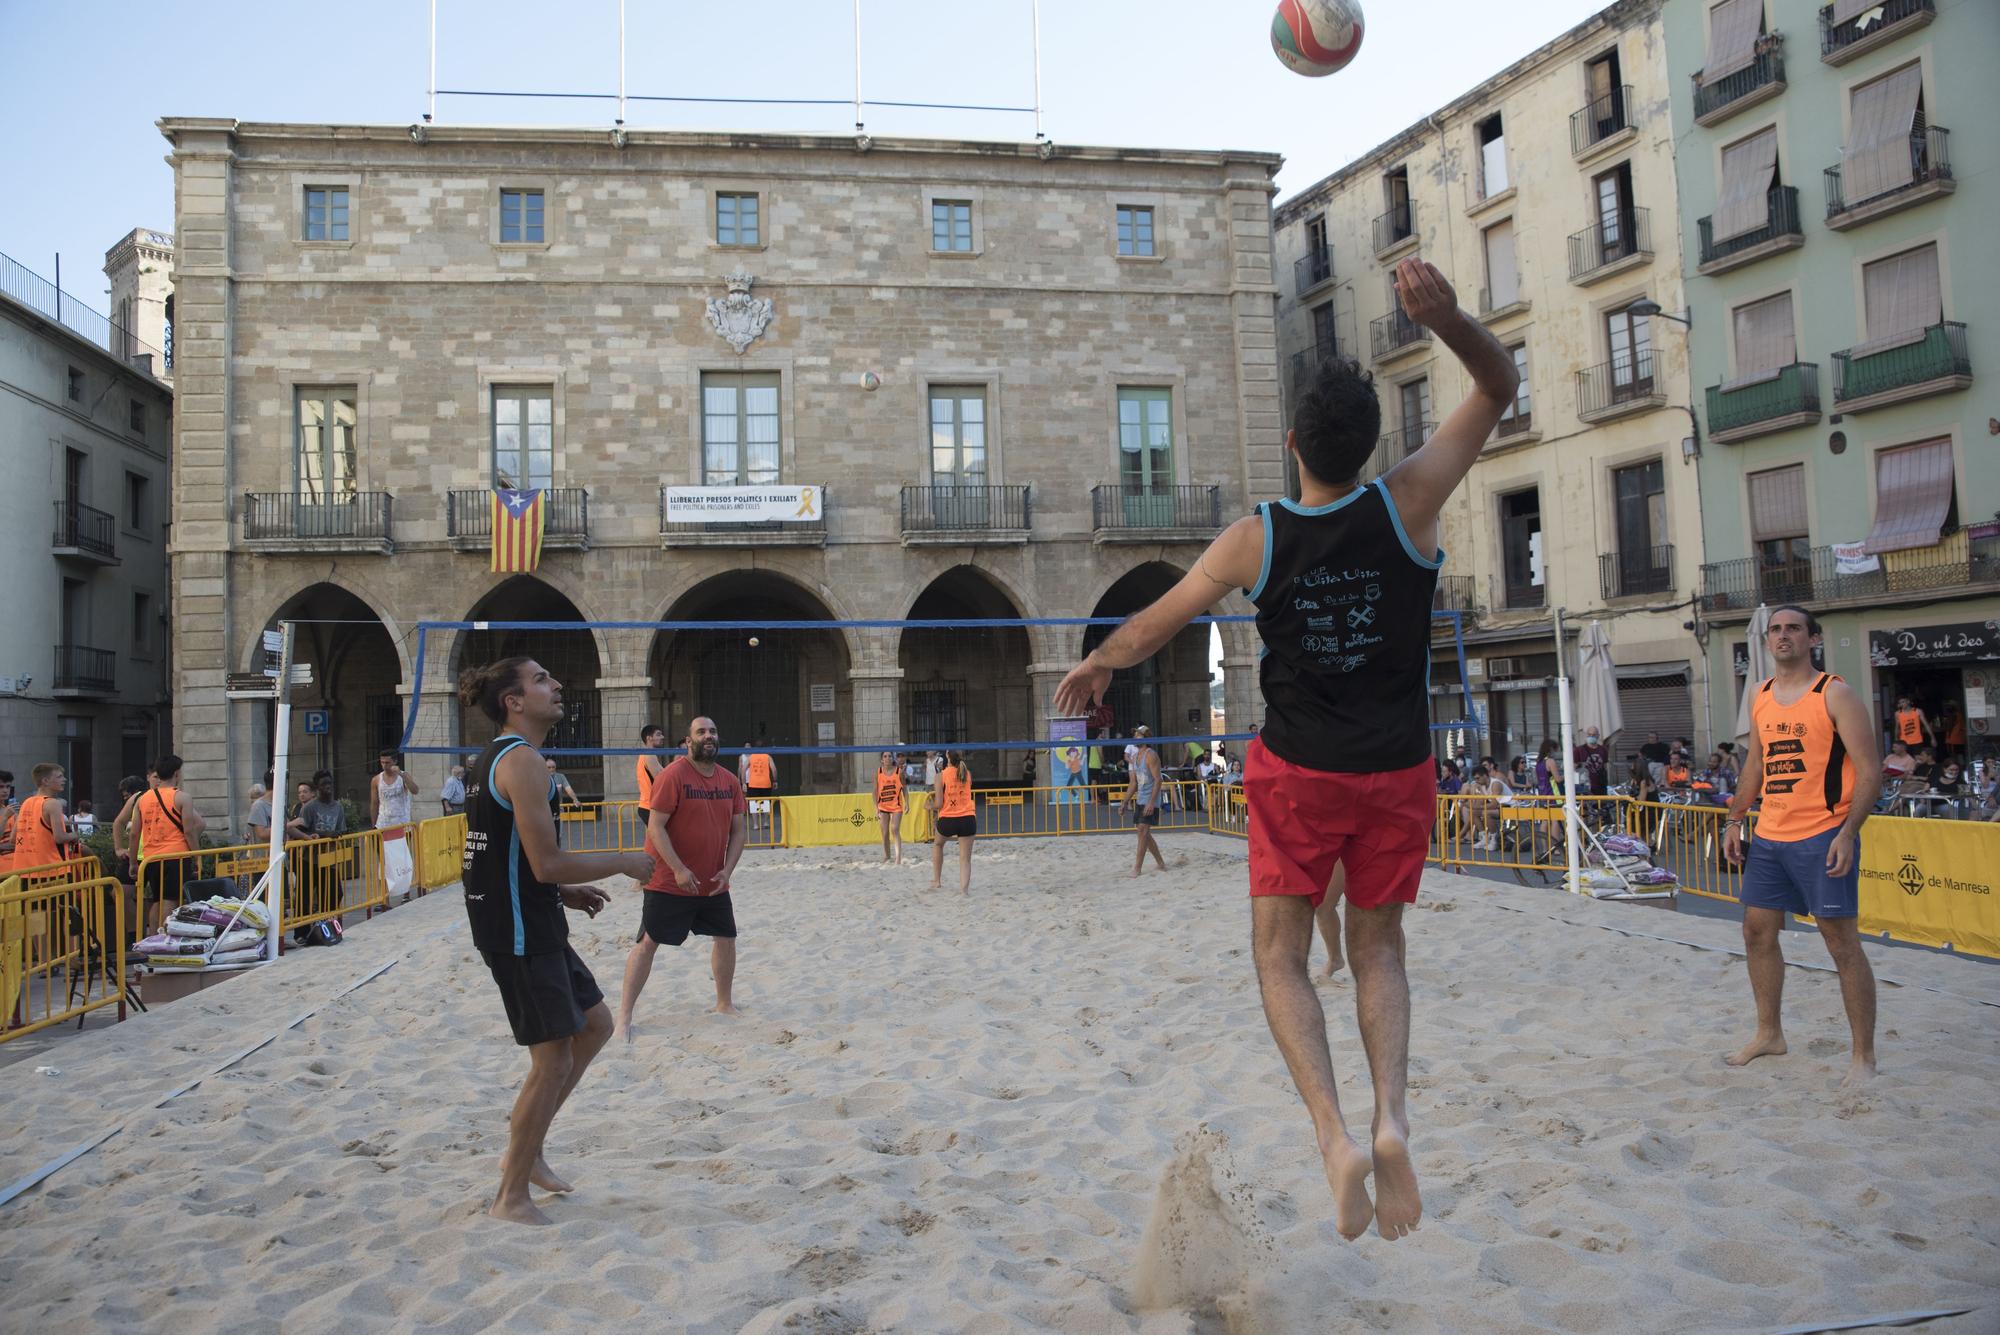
{"x":833,"y":820}
{"x":1933,"y":882}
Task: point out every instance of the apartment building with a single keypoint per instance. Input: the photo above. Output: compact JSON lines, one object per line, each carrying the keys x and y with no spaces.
{"x":1837,"y":210}
{"x":1547,"y":194}
{"x":86,"y":418}
{"x":1016,"y":381}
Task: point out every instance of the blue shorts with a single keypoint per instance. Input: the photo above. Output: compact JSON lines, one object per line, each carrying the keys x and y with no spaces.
{"x":1791,"y":877}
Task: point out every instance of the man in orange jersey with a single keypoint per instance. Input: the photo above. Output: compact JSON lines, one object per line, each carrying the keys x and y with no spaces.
{"x":43,"y":836}
{"x":760,"y":785}
{"x":1813,"y":760}
{"x":654,"y":738}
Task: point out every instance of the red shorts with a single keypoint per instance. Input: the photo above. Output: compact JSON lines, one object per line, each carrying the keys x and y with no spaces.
{"x":1304,"y":822}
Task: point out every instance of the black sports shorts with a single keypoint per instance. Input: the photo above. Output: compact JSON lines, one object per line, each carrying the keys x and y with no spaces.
{"x":1146,"y":816}
{"x":668,"y":919}
{"x":957,"y":827}
{"x":545,"y":995}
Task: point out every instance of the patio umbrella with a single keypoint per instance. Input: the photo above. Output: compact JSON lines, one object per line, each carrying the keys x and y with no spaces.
{"x":1760,"y":670}
{"x":1597,"y":684}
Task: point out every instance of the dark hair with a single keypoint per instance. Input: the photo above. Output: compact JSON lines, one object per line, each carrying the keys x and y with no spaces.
{"x":6,"y":776}
{"x":650,"y":729}
{"x":1337,"y":421}
{"x":1812,"y":622}
{"x":386,"y":754}
{"x":322,"y":776}
{"x":131,"y":784}
{"x":486,"y":688}
{"x":167,"y":766}
{"x":955,"y":760}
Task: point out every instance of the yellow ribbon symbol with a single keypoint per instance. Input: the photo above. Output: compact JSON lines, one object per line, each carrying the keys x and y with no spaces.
{"x":805,"y":504}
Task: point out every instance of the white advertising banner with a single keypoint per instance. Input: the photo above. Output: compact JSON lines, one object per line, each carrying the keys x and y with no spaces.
{"x":744,"y":505}
{"x":1853,"y":558}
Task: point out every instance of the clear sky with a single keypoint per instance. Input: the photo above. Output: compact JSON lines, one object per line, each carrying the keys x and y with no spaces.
{"x":82,"y":81}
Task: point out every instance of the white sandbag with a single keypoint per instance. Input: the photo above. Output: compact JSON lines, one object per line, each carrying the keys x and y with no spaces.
{"x":196,"y":931}
{"x":254,"y":914}
{"x":250,"y":956}
{"x":238,"y":940}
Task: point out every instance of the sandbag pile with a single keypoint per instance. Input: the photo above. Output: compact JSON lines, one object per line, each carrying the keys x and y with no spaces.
{"x":1626,"y":859}
{"x":210,"y":934}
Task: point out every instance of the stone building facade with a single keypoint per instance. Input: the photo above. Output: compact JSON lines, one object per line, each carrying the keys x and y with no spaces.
{"x":1070,"y":385}
{"x":84,"y":646}
{"x":1547,"y":194}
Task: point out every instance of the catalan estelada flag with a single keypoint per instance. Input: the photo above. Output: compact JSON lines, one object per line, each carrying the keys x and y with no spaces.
{"x":517,"y":531}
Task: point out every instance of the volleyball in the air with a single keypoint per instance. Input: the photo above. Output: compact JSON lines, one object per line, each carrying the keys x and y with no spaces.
{"x":1316,"y":37}
{"x":754,"y":641}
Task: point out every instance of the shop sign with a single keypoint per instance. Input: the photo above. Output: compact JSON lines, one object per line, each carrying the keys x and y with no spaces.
{"x":1969,"y":641}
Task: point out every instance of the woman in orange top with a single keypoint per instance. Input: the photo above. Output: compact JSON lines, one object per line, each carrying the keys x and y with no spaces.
{"x":957,"y":818}
{"x":889,"y":806}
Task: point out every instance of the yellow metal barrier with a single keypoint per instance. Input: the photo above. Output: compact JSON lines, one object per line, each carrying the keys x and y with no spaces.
{"x":1228,"y":810}
{"x":324,"y":878}
{"x":438,"y":850}
{"x":1687,"y":840}
{"x":62,"y":950}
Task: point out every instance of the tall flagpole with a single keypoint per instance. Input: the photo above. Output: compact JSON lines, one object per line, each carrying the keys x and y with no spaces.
{"x":1037,"y":6}
{"x":621,"y":61}
{"x":857,"y":67}
{"x":431,"y":115}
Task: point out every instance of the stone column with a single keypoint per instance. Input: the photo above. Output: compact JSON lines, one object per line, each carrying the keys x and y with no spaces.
{"x":210,"y":737}
{"x":878,"y":721}
{"x":1242,"y":701}
{"x":1253,"y":305}
{"x":624,"y":706}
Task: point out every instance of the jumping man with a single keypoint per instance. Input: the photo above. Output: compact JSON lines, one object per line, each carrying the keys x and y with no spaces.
{"x":515,"y":893}
{"x":1814,"y":762}
{"x":695,"y":830}
{"x":1340,"y":775}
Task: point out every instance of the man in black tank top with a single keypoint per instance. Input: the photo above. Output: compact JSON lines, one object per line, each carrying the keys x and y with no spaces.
{"x":515,"y":894}
{"x":1339,"y":780}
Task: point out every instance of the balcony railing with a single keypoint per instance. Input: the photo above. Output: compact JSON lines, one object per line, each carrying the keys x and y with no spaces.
{"x":1959,"y":561}
{"x":1138,"y":507}
{"x":1838,"y":40}
{"x":1940,"y":356}
{"x":82,"y":668}
{"x":1766,"y":71}
{"x":1600,"y":119}
{"x":1606,"y":242}
{"x":1793,"y":391}
{"x":84,"y":531}
{"x":1404,"y":441}
{"x":1398,"y":225}
{"x":1930,"y":162}
{"x":791,"y":532}
{"x":307,"y":519}
{"x":1393,"y":332}
{"x":1515,"y":424}
{"x":1637,"y":572}
{"x":1514,"y":597}
{"x":1312,"y":269}
{"x":565,"y":514}
{"x":1612,"y":386}
{"x":1784,"y":221}
{"x":964,"y":509}
{"x":1456,"y":593}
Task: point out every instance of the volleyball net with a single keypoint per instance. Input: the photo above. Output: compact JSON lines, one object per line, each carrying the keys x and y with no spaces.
{"x":823,"y":698}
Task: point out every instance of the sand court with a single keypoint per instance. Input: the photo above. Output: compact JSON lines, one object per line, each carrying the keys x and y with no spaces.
{"x":1053,"y":1106}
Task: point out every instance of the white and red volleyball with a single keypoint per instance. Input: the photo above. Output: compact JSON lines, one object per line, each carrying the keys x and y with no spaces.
{"x":1316,"y":37}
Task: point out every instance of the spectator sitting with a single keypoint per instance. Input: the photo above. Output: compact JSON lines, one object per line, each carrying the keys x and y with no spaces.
{"x":1680,"y":774}
{"x":1714,"y":783}
{"x":1450,"y":782}
{"x":1899,"y":762}
{"x":1640,"y":781}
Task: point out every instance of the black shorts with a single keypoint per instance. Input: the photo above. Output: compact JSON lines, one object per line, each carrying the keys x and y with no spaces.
{"x":545,"y":995}
{"x":668,"y":919}
{"x":752,"y":790}
{"x":1146,"y":816}
{"x":957,"y":827}
{"x":166,"y":880}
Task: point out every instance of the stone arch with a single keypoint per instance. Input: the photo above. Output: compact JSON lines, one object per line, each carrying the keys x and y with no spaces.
{"x":769,"y":694}
{"x":1162,"y":691}
{"x":360,"y":666}
{"x":966,"y":684}
{"x":574,"y":658}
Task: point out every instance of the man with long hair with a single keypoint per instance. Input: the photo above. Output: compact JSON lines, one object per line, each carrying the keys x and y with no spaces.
{"x":517,"y":884}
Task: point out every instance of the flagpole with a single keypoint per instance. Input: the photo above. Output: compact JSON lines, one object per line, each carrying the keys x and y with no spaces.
{"x":621,"y":62}
{"x":1037,"y":8}
{"x":431,"y":115}
{"x":857,"y":67}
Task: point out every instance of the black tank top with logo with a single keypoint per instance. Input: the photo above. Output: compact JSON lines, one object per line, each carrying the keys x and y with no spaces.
{"x":511,"y":912}
{"x":1344,"y":609}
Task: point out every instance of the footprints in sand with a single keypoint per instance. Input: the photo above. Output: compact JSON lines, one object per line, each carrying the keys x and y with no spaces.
{"x":1659,"y":1153}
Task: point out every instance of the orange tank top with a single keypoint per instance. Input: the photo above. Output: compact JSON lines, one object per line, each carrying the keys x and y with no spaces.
{"x":957,"y":785}
{"x":1808,"y":775}
{"x":1910,"y":726}
{"x":888,"y":791}
{"x":645,"y":776}
{"x":160,"y":828}
{"x":34,"y":844}
{"x":758,"y":772}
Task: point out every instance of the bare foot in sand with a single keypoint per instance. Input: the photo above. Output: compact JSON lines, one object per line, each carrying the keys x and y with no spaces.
{"x":1760,"y":1046}
{"x":722,"y":1008}
{"x":1347,"y":1167}
{"x":545,"y":1177}
{"x":1330,"y":973}
{"x":523,"y":1211}
{"x":1859,"y":1073}
{"x":626,"y":1030}
{"x":1398,"y":1207}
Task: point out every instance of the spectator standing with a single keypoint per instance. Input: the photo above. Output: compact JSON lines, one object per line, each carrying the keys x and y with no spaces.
{"x":389,"y":793}
{"x":1655,"y":753}
{"x":1593,"y":763}
{"x":451,"y":794}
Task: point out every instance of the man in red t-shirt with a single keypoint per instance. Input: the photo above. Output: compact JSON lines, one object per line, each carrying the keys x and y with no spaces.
{"x":695,"y":832}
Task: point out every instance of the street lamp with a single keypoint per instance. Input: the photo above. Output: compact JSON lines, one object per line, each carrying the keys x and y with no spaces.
{"x":1647,"y":308}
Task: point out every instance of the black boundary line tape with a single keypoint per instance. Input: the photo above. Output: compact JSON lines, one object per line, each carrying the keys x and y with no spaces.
{"x":1872,"y":1322}
{"x":1725,"y":950}
{"x":48,"y":1170}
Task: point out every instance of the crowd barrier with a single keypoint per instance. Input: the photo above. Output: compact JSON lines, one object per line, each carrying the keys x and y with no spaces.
{"x":62,"y":947}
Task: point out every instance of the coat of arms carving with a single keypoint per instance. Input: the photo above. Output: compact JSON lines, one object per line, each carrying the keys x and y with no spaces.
{"x":739,"y":318}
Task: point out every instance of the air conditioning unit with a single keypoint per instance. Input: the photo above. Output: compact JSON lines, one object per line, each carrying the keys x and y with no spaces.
{"x":1498,"y":668}
{"x":1475,"y":667}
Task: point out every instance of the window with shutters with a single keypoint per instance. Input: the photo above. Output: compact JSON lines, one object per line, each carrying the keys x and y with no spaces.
{"x":1640,"y":496}
{"x":1414,"y":399}
{"x":1323,"y":338}
{"x":1521,"y":548}
{"x":1901,"y":297}
{"x":1492,"y":140}
{"x":1916,"y":497}
{"x":1519,"y":417}
{"x":1779,"y":531}
{"x":1617,"y":233}
{"x":1503,"y":276}
{"x":1765,"y":340}
{"x":1629,"y":339}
